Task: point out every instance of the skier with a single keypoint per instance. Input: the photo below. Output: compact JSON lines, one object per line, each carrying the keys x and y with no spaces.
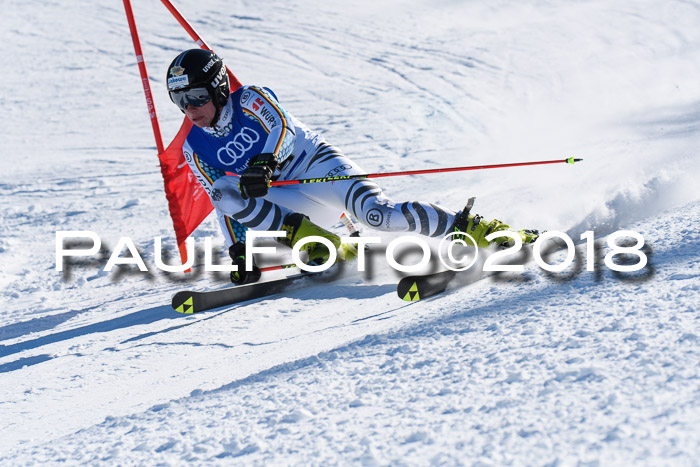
{"x":248,"y":133}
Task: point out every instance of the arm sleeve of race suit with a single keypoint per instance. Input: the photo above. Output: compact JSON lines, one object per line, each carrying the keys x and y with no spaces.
{"x":232,"y":230}
{"x":259,"y":104}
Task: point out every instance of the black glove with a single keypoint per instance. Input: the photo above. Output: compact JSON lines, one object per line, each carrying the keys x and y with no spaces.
{"x":240,"y":277}
{"x":255,"y":181}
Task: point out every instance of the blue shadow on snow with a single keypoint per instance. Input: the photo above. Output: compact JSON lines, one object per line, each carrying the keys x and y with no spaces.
{"x":148,"y":316}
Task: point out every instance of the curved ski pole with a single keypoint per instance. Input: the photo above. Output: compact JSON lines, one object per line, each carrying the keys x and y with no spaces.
{"x":569,"y":160}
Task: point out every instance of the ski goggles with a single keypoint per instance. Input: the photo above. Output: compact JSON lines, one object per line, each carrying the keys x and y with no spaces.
{"x":195,"y":97}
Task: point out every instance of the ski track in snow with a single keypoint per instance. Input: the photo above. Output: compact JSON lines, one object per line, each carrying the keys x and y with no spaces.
{"x":572,"y":368}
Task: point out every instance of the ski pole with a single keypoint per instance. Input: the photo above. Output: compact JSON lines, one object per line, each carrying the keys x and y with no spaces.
{"x":278,"y":267}
{"x":570,"y":160}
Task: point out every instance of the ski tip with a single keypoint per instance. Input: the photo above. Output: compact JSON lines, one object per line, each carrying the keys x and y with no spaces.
{"x":410,"y":295}
{"x":183,"y":303}
{"x":571,"y":160}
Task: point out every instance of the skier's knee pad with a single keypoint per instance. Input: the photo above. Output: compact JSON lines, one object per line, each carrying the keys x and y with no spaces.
{"x":379,"y":212}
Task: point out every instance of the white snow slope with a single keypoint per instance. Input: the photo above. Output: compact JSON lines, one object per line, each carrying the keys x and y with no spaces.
{"x":579,"y":367}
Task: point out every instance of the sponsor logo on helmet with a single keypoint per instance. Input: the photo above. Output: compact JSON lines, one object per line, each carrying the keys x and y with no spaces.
{"x":219,"y":77}
{"x":238,"y":147}
{"x":208,"y":66}
{"x":178,"y":82}
{"x":177,"y":70}
{"x":216,"y":195}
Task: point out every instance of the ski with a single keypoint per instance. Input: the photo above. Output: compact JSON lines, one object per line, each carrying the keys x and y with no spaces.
{"x":414,"y":288}
{"x":189,"y":302}
{"x":419,"y":287}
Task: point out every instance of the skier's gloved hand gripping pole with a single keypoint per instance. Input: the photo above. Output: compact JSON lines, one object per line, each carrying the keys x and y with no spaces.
{"x":255,"y":181}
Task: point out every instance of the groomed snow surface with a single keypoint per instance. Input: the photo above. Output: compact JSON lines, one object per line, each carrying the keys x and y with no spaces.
{"x":572,"y":368}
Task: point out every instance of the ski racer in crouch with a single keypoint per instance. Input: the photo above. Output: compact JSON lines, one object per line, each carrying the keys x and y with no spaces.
{"x":248,"y":133}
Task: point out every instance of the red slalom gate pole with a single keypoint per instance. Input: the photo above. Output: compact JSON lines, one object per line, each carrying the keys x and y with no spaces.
{"x":570,"y":160}
{"x":235,"y":83}
{"x":144,"y":76}
{"x":185,"y":24}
